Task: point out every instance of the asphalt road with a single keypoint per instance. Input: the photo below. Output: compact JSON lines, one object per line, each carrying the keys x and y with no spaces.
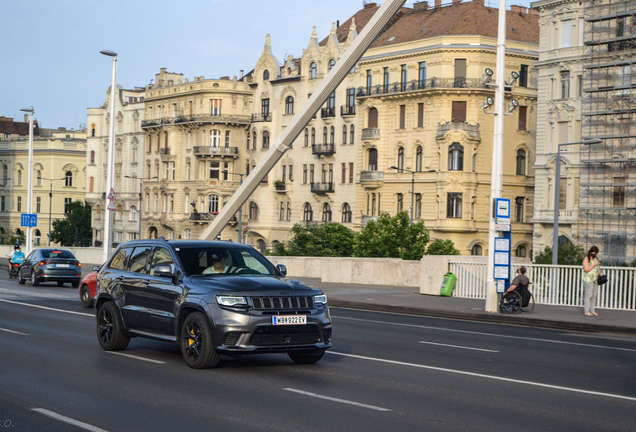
{"x":385,"y":372}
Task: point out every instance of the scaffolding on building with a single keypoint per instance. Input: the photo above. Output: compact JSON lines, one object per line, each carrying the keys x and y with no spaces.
{"x":607,"y":191}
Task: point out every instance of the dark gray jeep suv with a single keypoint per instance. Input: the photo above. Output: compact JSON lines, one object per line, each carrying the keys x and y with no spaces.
{"x":211,"y":298}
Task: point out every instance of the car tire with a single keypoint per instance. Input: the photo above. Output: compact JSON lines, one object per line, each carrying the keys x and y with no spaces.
{"x":21,"y":281}
{"x":196,"y":342}
{"x":85,"y":297}
{"x":75,"y":284}
{"x":34,"y":280}
{"x":109,"y":332}
{"x":306,"y":357}
{"x":60,"y":283}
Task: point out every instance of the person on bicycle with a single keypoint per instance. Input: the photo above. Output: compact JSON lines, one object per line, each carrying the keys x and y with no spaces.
{"x":520,"y":284}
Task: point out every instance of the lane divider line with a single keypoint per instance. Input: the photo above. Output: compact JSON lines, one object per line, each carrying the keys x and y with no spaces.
{"x":136,"y":357}
{"x":47,"y":308}
{"x":493,"y":377}
{"x":13,"y":331}
{"x":457,"y":346}
{"x":68,"y":420}
{"x":487,"y":334}
{"x":344,"y":401}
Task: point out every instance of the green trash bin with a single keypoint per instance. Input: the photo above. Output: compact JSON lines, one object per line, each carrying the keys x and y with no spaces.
{"x":448,"y":284}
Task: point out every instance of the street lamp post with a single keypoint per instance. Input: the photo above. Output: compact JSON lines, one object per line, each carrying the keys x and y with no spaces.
{"x":141,"y":191}
{"x":108,"y":224}
{"x":30,"y":178}
{"x":240,"y":228}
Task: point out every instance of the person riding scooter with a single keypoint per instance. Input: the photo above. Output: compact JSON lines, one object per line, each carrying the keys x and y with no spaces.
{"x":15,"y":259}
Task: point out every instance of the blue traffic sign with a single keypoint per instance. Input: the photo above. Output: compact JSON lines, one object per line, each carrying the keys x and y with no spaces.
{"x":29,"y":220}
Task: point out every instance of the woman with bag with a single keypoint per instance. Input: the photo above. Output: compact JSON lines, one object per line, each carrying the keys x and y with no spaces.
{"x":592,"y":272}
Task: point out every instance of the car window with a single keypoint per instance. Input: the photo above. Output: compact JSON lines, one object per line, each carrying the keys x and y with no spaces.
{"x":139,"y":259}
{"x":56,"y":253}
{"x":161,"y":256}
{"x":252,"y":263}
{"x":196,"y":260}
{"x":119,"y":260}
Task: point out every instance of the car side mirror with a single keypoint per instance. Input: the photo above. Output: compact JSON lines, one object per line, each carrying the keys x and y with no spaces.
{"x":282,"y":269}
{"x":164,"y":270}
{"x":96,"y":268}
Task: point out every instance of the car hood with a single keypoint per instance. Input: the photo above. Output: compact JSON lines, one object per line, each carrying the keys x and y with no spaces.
{"x":252,"y":285}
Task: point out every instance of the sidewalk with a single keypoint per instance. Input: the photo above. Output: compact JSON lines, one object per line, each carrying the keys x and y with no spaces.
{"x":410,"y":301}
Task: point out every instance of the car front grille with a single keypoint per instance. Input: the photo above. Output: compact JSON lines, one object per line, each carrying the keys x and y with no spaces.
{"x":231,"y":338}
{"x":289,"y":335}
{"x":276,"y":303}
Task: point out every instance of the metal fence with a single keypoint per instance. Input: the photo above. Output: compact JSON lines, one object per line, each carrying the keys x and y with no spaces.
{"x":618,"y":293}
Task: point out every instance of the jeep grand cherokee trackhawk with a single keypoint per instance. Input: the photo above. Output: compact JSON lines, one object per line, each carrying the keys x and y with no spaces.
{"x":211,"y":298}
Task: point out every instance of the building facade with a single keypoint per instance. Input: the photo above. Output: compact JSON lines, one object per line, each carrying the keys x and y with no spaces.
{"x":128,"y":168}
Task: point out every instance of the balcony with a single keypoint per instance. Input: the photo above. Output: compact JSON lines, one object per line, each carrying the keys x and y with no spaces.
{"x":347,"y":110}
{"x":203,"y":217}
{"x":325,"y":187}
{"x":419,"y":85}
{"x":471,"y":128}
{"x":228,"y":119}
{"x":280,"y":186}
{"x":215,"y":151}
{"x":262,"y":117}
{"x":164,"y":151}
{"x":370,"y":134}
{"x":323,"y":149}
{"x":372,"y":179}
{"x":327,"y":112}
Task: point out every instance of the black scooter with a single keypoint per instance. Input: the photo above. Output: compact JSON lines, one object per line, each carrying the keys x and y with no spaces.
{"x":13,"y":269}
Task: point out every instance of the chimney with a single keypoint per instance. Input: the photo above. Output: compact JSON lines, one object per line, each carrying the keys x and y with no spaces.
{"x":337,"y":23}
{"x":26,"y":118}
{"x":438,"y":3}
{"x":241,"y":73}
{"x":534,"y":12}
{"x":423,"y":5}
{"x":369,"y":5}
{"x":518,"y":9}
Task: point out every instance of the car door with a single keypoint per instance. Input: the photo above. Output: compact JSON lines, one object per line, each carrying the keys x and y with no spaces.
{"x":134,"y":305}
{"x":27,"y":264}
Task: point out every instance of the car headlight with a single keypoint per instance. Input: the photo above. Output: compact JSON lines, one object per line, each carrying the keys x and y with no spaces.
{"x":320,"y":300}
{"x":231,"y":301}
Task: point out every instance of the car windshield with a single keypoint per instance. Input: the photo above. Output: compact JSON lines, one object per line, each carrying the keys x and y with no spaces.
{"x":215,"y":261}
{"x":56,"y":253}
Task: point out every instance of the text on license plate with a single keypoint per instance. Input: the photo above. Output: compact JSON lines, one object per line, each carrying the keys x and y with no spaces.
{"x":289,"y":319}
{"x":61,"y":265}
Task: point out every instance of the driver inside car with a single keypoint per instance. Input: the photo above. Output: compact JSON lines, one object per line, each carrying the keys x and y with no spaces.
{"x":218,"y":263}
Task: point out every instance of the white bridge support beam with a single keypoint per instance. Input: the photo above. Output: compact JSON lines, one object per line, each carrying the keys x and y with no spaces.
{"x":338,"y":73}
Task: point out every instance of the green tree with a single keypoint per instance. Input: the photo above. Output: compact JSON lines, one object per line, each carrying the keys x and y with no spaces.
{"x":569,"y":254}
{"x":392,"y":237}
{"x":77,"y":217}
{"x":11,"y":239}
{"x":442,"y":247}
{"x":329,"y":239}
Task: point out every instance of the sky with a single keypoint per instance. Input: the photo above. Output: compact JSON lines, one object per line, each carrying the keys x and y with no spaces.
{"x":51,"y":59}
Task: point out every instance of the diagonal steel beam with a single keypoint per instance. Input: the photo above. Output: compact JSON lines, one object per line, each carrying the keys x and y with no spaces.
{"x":338,"y":73}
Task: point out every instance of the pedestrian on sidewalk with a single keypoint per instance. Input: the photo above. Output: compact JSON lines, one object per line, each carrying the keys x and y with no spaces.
{"x":592,"y":271}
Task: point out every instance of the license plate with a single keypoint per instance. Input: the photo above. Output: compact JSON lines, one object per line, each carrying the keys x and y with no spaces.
{"x":61,"y":265}
{"x":289,"y":319}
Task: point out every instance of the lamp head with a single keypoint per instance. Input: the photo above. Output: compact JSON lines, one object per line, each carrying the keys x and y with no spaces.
{"x":514,"y":76}
{"x":108,"y":53}
{"x":512,"y":105}
{"x":487,"y":103}
{"x":29,"y":110}
{"x":487,"y":76}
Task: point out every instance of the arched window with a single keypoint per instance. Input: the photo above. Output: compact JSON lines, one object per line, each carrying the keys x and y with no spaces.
{"x":265,"y":139}
{"x":313,"y":69}
{"x":215,"y":138}
{"x":19,"y":177}
{"x":119,"y":214}
{"x":326,"y":213}
{"x":313,"y":136}
{"x":344,"y":134}
{"x":91,"y":185}
{"x":92,"y":157}
{"x":187,"y":234}
{"x":456,"y":157}
{"x":133,"y":213}
{"x":521,"y":251}
{"x":418,"y":158}
{"x":37,"y":237}
{"x":373,"y":159}
{"x":324,"y":135}
{"x":332,"y":135}
{"x":68,"y":179}
{"x":346,"y":213}
{"x":260,"y":244}
{"x":308,"y":214}
{"x":253,"y":211}
{"x":521,"y":162}
{"x":352,"y":133}
{"x":332,"y":63}
{"x":372,"y":121}
{"x":38,"y":178}
{"x":152,"y":232}
{"x":93,"y":130}
{"x":213,"y":203}
{"x":265,"y":75}
{"x":400,"y":159}
{"x":289,"y":105}
{"x":476,"y":250}
{"x":306,"y":137}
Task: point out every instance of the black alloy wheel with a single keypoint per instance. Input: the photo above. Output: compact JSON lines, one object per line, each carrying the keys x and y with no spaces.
{"x":109,"y":332}
{"x":196,"y":342}
{"x":34,"y":280}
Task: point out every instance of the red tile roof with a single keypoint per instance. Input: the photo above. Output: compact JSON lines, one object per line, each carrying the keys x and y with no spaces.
{"x":8,"y":126}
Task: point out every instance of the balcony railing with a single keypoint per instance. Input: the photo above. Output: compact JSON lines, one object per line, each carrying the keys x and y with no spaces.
{"x":165,"y":151}
{"x":417,"y":85}
{"x":212,"y":151}
{"x":280,"y":186}
{"x":322,"y":187}
{"x":370,"y":133}
{"x":323,"y":149}
{"x":197,"y":118}
{"x":371,"y":176}
{"x":470,"y":127}
{"x":347,"y":110}
{"x":203,"y":216}
{"x":327,"y":112}
{"x":262,"y":117}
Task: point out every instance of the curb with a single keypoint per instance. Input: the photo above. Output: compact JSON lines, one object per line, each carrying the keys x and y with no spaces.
{"x":495,"y":318}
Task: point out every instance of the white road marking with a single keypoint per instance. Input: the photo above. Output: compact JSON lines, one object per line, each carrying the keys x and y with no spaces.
{"x":457,"y":346}
{"x":493,"y":377}
{"x":13,"y":331}
{"x":68,"y":420}
{"x":487,"y":334}
{"x":47,"y":308}
{"x":337,"y":400}
{"x":135,"y":357}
